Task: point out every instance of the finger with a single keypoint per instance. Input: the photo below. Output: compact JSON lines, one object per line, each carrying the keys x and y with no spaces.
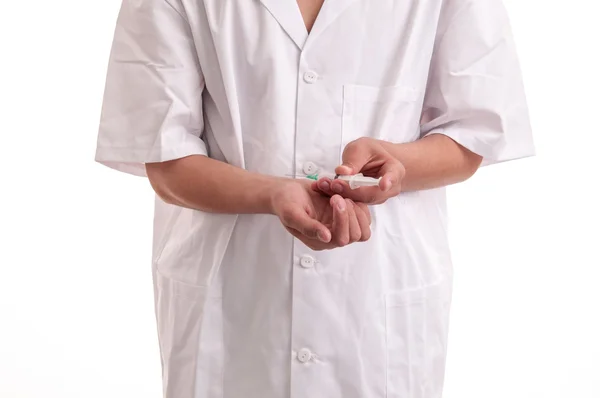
{"x":391,"y":172}
{"x":363,"y":215}
{"x":300,"y":221}
{"x":324,"y":186}
{"x":356,"y":154}
{"x":354,"y":229}
{"x":341,"y":233}
{"x":363,"y":194}
{"x":366,"y":211}
{"x":313,"y":244}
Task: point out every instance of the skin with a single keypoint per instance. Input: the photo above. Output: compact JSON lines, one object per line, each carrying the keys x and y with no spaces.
{"x":321,"y":219}
{"x":309,"y":10}
{"x":344,"y":221}
{"x":428,"y":163}
{"x":322,"y":222}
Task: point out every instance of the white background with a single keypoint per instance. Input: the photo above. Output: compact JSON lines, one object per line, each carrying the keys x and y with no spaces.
{"x":76,"y":306}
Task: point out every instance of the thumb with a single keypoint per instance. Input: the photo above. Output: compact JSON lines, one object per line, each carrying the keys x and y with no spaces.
{"x":298,"y":220}
{"x":355,"y":156}
{"x":391,"y":172}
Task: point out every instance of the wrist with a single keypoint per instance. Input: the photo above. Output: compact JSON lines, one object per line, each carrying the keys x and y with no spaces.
{"x":269,"y":192}
{"x":394,"y":149}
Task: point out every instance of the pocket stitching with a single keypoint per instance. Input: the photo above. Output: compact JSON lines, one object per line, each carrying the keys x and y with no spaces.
{"x":181,"y":289}
{"x":375,"y":94}
{"x":165,"y":238}
{"x":403,"y":298}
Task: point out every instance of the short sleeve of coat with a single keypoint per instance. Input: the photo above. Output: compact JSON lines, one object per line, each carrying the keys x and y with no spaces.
{"x":475,"y":92}
{"x":152,"y":108}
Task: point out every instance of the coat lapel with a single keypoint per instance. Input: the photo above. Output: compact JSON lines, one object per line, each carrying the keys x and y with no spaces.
{"x":288,"y":15}
{"x":330,"y":10}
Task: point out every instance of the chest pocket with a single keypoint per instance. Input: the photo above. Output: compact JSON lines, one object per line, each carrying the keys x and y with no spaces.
{"x":385,"y":113}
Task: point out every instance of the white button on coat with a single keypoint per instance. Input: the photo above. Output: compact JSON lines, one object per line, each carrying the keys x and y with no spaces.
{"x":307,"y":261}
{"x":311,"y":77}
{"x":226,"y":79}
{"x":304,"y":355}
{"x":310,"y":168}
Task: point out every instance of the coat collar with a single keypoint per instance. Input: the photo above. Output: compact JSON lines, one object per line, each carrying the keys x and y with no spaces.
{"x":287,"y":13}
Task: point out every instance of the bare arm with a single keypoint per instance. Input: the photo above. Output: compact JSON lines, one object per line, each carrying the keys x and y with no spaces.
{"x":433,"y":162}
{"x":201,"y":183}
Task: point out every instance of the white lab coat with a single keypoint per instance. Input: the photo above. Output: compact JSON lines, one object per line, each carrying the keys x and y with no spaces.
{"x":244,"y":310}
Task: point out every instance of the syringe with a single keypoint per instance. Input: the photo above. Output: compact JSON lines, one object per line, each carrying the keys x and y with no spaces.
{"x":359,"y":180}
{"x":354,"y":181}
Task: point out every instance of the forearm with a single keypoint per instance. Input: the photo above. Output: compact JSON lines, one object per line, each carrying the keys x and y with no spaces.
{"x":433,"y":162}
{"x":201,"y":183}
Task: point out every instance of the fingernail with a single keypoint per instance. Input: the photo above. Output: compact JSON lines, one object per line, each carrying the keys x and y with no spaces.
{"x":337,"y":188}
{"x":341,"y":204}
{"x":324,"y":185}
{"x":322,"y":237}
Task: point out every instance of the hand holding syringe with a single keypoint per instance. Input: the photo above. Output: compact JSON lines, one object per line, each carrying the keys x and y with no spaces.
{"x":372,"y":157}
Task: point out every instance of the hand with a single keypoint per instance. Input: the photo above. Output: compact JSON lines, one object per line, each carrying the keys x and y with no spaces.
{"x":320,"y":222}
{"x":367,"y":156}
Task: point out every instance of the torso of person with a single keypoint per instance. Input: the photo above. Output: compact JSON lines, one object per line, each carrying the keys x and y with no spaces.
{"x":310,"y":76}
{"x":280,"y":87}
